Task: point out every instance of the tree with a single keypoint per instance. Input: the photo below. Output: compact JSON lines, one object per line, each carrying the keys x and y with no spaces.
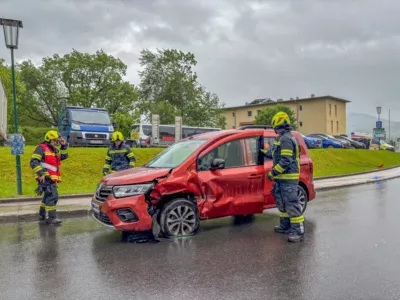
{"x":125,"y":121}
{"x":78,"y":79}
{"x":266,"y":115}
{"x":5,"y":75}
{"x":169,"y":88}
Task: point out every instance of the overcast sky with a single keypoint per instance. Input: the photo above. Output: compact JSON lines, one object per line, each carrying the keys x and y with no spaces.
{"x":245,"y":49}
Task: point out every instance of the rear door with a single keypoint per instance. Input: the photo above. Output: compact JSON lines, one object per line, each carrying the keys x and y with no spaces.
{"x":239,"y":187}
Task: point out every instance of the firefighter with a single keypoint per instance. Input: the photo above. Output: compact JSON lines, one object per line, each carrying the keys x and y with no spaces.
{"x":119,"y":155}
{"x":45,"y":162}
{"x":285,"y":174}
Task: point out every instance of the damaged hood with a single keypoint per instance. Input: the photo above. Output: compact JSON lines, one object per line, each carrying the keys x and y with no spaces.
{"x":135,"y":175}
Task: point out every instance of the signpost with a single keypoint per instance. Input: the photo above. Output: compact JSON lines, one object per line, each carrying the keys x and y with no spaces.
{"x":379,"y":133}
{"x":178,"y":129}
{"x":378,"y":124}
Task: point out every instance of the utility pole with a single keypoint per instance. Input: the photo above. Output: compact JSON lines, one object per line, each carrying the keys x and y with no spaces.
{"x":389,"y":126}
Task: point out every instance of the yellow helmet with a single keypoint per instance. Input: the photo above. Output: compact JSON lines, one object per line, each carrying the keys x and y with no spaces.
{"x":280,"y":119}
{"x":117,"y":136}
{"x":51,"y":135}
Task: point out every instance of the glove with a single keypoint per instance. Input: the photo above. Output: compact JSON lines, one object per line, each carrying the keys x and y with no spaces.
{"x":104,"y":173}
{"x":263,"y":151}
{"x":39,"y":191}
{"x":270,"y":177}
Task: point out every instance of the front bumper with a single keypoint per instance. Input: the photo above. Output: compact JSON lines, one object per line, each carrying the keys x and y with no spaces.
{"x":89,"y":139}
{"x":126,"y":214}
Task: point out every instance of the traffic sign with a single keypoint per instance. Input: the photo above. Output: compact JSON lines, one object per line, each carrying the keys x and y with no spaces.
{"x":17,"y":145}
{"x":378,"y":124}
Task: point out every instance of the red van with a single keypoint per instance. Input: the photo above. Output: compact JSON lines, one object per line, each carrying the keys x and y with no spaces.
{"x":210,"y":175}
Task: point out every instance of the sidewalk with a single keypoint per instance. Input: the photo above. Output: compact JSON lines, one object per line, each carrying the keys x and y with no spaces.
{"x":13,"y":210}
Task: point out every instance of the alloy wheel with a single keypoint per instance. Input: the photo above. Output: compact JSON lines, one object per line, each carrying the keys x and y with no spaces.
{"x":181,"y":221}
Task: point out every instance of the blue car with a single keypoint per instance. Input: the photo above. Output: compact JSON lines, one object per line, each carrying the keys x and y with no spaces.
{"x":327,"y":143}
{"x":312,"y":142}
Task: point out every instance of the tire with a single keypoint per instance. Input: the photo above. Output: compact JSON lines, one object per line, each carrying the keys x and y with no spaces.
{"x":330,"y":147}
{"x":179,"y":218}
{"x":302,"y":197}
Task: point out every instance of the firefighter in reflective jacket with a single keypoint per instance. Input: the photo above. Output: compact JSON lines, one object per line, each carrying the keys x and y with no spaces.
{"x":45,"y":162}
{"x":119,"y":156}
{"x":285,"y":174}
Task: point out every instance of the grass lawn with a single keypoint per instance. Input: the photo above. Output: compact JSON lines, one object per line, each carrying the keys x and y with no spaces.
{"x":329,"y":162}
{"x":82,"y":171}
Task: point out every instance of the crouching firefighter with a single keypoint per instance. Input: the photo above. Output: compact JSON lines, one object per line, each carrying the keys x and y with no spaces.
{"x":45,"y":162}
{"x":285,"y":173}
{"x":119,"y":156}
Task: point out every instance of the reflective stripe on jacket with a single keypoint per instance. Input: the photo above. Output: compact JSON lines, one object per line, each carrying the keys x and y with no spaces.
{"x":53,"y":159}
{"x":119,"y":158}
{"x":286,"y":157}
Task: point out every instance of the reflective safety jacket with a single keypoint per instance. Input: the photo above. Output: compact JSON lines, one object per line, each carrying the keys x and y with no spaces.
{"x":119,"y":158}
{"x":46,"y":160}
{"x":286,"y":156}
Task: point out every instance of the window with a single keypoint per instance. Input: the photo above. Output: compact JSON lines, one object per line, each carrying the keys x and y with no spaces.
{"x":330,"y":109}
{"x":301,"y":124}
{"x":335,"y":110}
{"x":146,"y":130}
{"x":233,"y":154}
{"x":92,"y":117}
{"x":337,"y":126}
{"x":249,"y":113}
{"x":268,"y":143}
{"x":258,"y":112}
{"x":167,"y":133}
{"x":332,"y":126}
{"x":301,"y":107}
{"x":233,"y":114}
{"x":233,"y":127}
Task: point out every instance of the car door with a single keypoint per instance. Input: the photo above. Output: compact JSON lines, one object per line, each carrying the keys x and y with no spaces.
{"x":238,"y":188}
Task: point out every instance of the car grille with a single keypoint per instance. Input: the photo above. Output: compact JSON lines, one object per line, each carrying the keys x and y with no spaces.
{"x":94,"y":136}
{"x":102,"y":193}
{"x":102,"y":217}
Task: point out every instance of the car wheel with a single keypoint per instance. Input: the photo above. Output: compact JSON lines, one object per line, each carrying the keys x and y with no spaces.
{"x":302,"y":197}
{"x":179,"y":218}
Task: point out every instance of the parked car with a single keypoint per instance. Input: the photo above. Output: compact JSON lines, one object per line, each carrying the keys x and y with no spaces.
{"x":353,"y":144}
{"x":206,"y":176}
{"x":328,"y":142}
{"x":312,"y":142}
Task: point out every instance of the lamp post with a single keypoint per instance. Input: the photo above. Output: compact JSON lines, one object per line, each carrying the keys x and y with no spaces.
{"x":379,"y":110}
{"x":11,"y":36}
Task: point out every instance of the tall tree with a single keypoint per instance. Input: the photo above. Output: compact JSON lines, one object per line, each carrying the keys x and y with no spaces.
{"x":266,"y":115}
{"x":79,"y":79}
{"x":169,"y":88}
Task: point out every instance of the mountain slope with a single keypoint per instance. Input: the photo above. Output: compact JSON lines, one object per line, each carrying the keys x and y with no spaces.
{"x":365,"y":123}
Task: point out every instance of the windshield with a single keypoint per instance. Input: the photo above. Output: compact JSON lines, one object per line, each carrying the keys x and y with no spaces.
{"x":175,"y":155}
{"x":90,"y":117}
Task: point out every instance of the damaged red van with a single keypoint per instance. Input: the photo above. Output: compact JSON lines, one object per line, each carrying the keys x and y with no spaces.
{"x":210,"y":175}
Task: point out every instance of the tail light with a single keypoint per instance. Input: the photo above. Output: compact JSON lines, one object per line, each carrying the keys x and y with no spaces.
{"x":311,"y":168}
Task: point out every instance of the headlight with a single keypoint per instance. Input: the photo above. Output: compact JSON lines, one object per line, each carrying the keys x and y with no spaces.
{"x":75,"y":127}
{"x":110,"y":128}
{"x":122,"y":191}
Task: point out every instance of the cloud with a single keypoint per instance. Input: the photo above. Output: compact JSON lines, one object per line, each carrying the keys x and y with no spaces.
{"x":245,"y":49}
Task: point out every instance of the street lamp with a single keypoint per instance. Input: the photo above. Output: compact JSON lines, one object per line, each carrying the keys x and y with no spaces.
{"x":378,"y":110}
{"x":11,"y":36}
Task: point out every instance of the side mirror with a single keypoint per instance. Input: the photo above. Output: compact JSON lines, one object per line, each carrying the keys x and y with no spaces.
{"x":217,"y":164}
{"x":64,"y":122}
{"x":114,"y":125}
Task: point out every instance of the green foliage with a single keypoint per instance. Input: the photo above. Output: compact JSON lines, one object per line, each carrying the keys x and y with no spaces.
{"x":266,"y":115}
{"x":125,"y":121}
{"x":34,"y":135}
{"x":78,"y":79}
{"x":169,"y":88}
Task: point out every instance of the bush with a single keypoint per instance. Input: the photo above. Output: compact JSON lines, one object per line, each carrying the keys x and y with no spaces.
{"x":33,"y":135}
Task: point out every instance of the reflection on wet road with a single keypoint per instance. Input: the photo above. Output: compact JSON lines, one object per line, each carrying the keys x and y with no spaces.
{"x":351,"y":251}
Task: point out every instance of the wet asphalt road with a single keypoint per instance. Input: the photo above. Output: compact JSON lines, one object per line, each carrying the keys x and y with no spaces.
{"x":352,"y":251}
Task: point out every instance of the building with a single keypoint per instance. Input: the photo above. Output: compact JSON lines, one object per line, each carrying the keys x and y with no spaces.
{"x":325,"y":114}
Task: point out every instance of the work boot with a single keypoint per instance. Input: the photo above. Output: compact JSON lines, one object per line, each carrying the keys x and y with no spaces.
{"x":284,"y":226}
{"x":51,"y":218}
{"x":42,"y":212}
{"x":297,"y":233}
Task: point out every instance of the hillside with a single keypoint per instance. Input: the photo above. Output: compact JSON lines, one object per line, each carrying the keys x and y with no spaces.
{"x":365,"y":123}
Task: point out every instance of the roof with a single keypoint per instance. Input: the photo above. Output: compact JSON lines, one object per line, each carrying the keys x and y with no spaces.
{"x":269,"y":102}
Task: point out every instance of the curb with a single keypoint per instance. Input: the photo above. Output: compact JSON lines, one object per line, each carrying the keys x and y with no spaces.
{"x":38,"y":199}
{"x":354,"y":174}
{"x":86,"y":212}
{"x":34,"y":216}
{"x":355,"y":184}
